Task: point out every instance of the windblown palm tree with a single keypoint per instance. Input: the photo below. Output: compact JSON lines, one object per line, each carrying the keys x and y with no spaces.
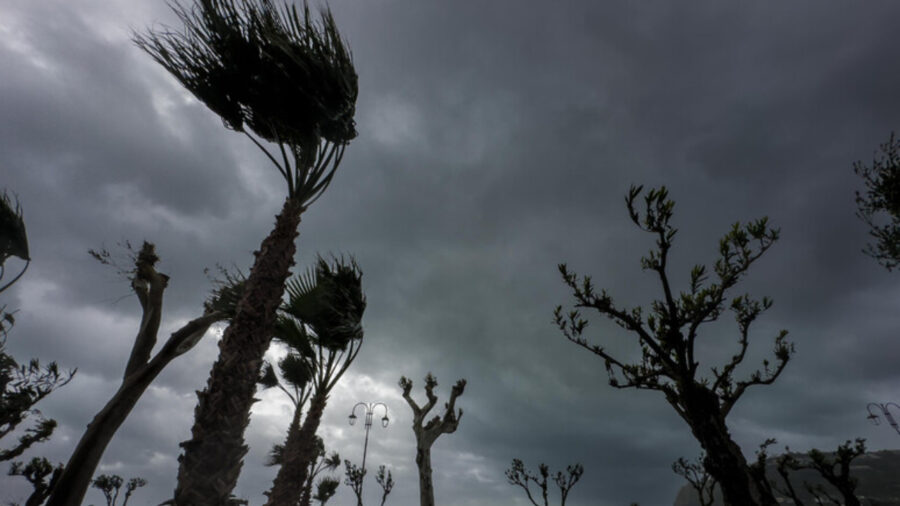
{"x":277,"y":76}
{"x":321,"y":324}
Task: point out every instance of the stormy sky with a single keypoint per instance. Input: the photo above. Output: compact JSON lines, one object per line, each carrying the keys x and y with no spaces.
{"x":496,"y":140}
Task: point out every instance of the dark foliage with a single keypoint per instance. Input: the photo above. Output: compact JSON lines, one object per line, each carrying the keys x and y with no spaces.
{"x":270,"y":70}
{"x":667,"y":335}
{"x":519,"y":476}
{"x":879,"y":204}
{"x":42,"y":476}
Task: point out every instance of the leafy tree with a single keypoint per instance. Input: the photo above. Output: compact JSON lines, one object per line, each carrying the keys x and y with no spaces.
{"x":42,"y":476}
{"x":386,"y":481}
{"x":428,"y":432}
{"x":279,"y":77}
{"x":110,"y":485}
{"x":354,"y":476}
{"x":322,"y":325}
{"x":149,"y":286}
{"x":881,"y":202}
{"x":518,"y":475}
{"x":23,"y":386}
{"x":667,"y":337}
{"x":834,"y":468}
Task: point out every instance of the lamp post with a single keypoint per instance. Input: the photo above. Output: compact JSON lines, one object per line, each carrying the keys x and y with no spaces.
{"x":885,"y":411}
{"x":370,"y":410}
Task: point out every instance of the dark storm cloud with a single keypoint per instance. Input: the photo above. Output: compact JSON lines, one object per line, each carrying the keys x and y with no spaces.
{"x":496,"y":140}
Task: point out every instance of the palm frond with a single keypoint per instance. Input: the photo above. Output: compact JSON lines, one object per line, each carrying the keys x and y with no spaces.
{"x":13,"y":239}
{"x":330,"y":302}
{"x":267,"y":376}
{"x":296,"y":370}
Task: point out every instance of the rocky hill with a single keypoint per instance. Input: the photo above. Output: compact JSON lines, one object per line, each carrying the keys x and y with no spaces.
{"x":878,"y":474}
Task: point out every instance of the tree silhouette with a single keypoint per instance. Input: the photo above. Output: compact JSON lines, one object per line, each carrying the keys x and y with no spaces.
{"x":667,"y":337}
{"x":698,"y":478}
{"x":428,"y":432}
{"x":42,"y":476}
{"x":518,"y":475}
{"x":22,"y":386}
{"x":111,"y":484}
{"x":149,"y":286}
{"x":277,"y":76}
{"x":322,"y":325}
{"x":880,"y":202}
{"x":354,"y":476}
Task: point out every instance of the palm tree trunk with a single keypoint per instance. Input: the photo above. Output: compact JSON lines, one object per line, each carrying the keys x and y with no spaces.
{"x":299,"y":452}
{"x":212,"y":458}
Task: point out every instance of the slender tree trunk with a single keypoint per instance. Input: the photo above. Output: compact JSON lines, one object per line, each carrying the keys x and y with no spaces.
{"x":724,"y":459}
{"x":426,"y":488}
{"x":213,"y":457}
{"x":75,"y":479}
{"x":299,"y":452}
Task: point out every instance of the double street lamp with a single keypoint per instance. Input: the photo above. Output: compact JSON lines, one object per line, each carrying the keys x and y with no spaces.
{"x":885,"y":411}
{"x":370,"y":410}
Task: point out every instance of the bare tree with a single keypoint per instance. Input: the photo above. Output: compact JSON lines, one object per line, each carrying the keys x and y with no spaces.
{"x":148,"y":286}
{"x":278,"y":77}
{"x":519,"y":476}
{"x":698,"y":478}
{"x":668,"y":334}
{"x":428,"y":432}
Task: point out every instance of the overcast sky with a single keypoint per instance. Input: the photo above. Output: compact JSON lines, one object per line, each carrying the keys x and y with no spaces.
{"x":496,"y":139}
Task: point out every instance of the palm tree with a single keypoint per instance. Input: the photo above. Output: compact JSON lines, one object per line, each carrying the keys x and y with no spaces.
{"x":321,"y":324}
{"x":277,"y":76}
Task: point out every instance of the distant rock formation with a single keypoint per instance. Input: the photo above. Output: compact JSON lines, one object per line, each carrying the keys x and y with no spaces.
{"x":878,"y":474}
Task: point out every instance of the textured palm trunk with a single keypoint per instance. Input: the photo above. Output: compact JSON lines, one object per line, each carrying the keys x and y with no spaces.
{"x":213,"y":457}
{"x":299,"y":452}
{"x":724,"y":459}
{"x":426,"y":488}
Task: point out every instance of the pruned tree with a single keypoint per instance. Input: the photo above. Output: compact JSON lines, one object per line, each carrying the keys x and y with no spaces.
{"x":384,"y":479}
{"x":284,"y":80}
{"x":521,"y":477}
{"x":428,"y":432}
{"x":149,"y":286}
{"x":354,"y":477}
{"x":698,"y":478}
{"x":42,"y":476}
{"x":321,"y":323}
{"x":836,"y":471}
{"x":879,"y":205}
{"x":668,"y":332}
{"x":111,"y":484}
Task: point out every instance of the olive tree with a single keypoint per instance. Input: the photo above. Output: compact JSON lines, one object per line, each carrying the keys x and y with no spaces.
{"x":668,"y":332}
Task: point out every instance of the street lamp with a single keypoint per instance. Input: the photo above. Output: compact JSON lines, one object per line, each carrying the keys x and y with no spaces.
{"x":370,"y":410}
{"x":885,"y":411}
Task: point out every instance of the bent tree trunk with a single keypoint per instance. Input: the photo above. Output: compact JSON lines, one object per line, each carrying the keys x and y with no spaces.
{"x":75,"y":479}
{"x":724,"y":459}
{"x":212,"y":458}
{"x":300,"y":451}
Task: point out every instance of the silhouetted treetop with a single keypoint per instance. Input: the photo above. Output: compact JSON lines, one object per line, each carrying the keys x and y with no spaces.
{"x":880,"y":201}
